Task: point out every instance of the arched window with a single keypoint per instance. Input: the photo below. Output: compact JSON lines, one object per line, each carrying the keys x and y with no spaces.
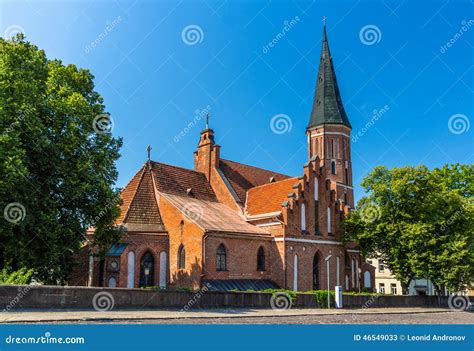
{"x":347,"y":176}
{"x":329,"y":221}
{"x":261,"y":259}
{"x":303,"y":218}
{"x":221,"y":258}
{"x":181,"y":257}
{"x":147,"y":270}
{"x":333,"y":167}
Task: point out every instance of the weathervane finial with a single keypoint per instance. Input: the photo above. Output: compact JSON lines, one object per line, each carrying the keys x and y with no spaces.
{"x":207,"y":120}
{"x":324,"y":21}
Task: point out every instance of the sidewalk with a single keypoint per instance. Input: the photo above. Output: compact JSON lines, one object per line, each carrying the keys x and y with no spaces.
{"x":51,"y":316}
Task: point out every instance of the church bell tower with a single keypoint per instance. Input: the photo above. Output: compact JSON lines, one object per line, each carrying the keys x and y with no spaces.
{"x":328,"y":130}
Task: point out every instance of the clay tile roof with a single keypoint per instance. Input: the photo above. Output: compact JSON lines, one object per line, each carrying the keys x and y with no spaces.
{"x":138,"y":200}
{"x":139,"y":204}
{"x":176,"y":180}
{"x":269,"y":197}
{"x":243,"y":177}
{"x":213,"y":216}
{"x":128,"y":193}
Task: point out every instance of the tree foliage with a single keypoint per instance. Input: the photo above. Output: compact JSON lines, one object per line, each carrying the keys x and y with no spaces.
{"x":420,"y":222}
{"x":56,"y":171}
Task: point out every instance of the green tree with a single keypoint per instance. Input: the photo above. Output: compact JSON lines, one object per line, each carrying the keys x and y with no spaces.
{"x":57,"y":162}
{"x":420,"y":222}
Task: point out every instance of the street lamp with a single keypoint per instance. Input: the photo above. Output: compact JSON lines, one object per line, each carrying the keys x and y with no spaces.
{"x":327,"y":272}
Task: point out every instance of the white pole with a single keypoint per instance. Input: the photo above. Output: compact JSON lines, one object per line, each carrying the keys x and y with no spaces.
{"x":327,"y":266}
{"x":327,"y":272}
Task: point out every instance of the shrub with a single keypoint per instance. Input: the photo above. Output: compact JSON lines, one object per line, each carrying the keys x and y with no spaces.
{"x":321,"y":297}
{"x":19,"y":277}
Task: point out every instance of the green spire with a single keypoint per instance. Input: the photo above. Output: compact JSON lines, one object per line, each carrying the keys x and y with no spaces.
{"x":327,"y":105}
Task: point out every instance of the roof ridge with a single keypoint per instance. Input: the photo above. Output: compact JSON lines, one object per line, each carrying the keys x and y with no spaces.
{"x":186,"y":169}
{"x":263,"y":169}
{"x":279,"y":181}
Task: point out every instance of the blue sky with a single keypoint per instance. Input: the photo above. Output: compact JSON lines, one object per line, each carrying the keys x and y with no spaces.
{"x":153,"y":81}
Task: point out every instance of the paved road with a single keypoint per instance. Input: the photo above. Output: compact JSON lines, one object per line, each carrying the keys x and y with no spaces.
{"x":415,"y":318}
{"x":246,"y":316}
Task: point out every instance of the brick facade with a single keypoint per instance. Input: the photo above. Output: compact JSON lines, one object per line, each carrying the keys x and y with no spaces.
{"x":192,"y":221}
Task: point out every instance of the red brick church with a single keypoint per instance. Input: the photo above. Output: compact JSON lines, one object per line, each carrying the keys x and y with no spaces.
{"x":234,"y":226}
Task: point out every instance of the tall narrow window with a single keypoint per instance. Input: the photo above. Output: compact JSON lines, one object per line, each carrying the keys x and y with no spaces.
{"x":347,"y":176}
{"x":316,"y":189}
{"x":333,"y":167}
{"x":332,"y":148}
{"x":261,"y":259}
{"x":303,"y":218}
{"x":329,"y":221}
{"x":317,"y":146}
{"x":181,"y":257}
{"x":316,"y":207}
{"x":221,"y":258}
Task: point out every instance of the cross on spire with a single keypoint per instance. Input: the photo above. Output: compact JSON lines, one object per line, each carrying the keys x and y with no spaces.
{"x":324,"y":20}
{"x":148,"y":149}
{"x":207,"y":120}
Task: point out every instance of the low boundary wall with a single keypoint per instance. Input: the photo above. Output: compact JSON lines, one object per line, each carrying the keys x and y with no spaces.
{"x":39,"y":296}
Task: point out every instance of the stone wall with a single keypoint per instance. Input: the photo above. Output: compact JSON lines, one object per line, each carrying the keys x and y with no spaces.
{"x":16,"y":298}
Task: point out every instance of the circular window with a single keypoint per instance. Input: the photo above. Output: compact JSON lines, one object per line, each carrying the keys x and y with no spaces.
{"x":114,"y":264}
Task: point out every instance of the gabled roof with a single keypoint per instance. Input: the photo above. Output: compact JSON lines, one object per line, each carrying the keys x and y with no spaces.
{"x":243,"y":177}
{"x":327,"y":105}
{"x":213,"y":216}
{"x":177,"y":180}
{"x":139,"y":204}
{"x":199,"y":204}
{"x":269,"y":197}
